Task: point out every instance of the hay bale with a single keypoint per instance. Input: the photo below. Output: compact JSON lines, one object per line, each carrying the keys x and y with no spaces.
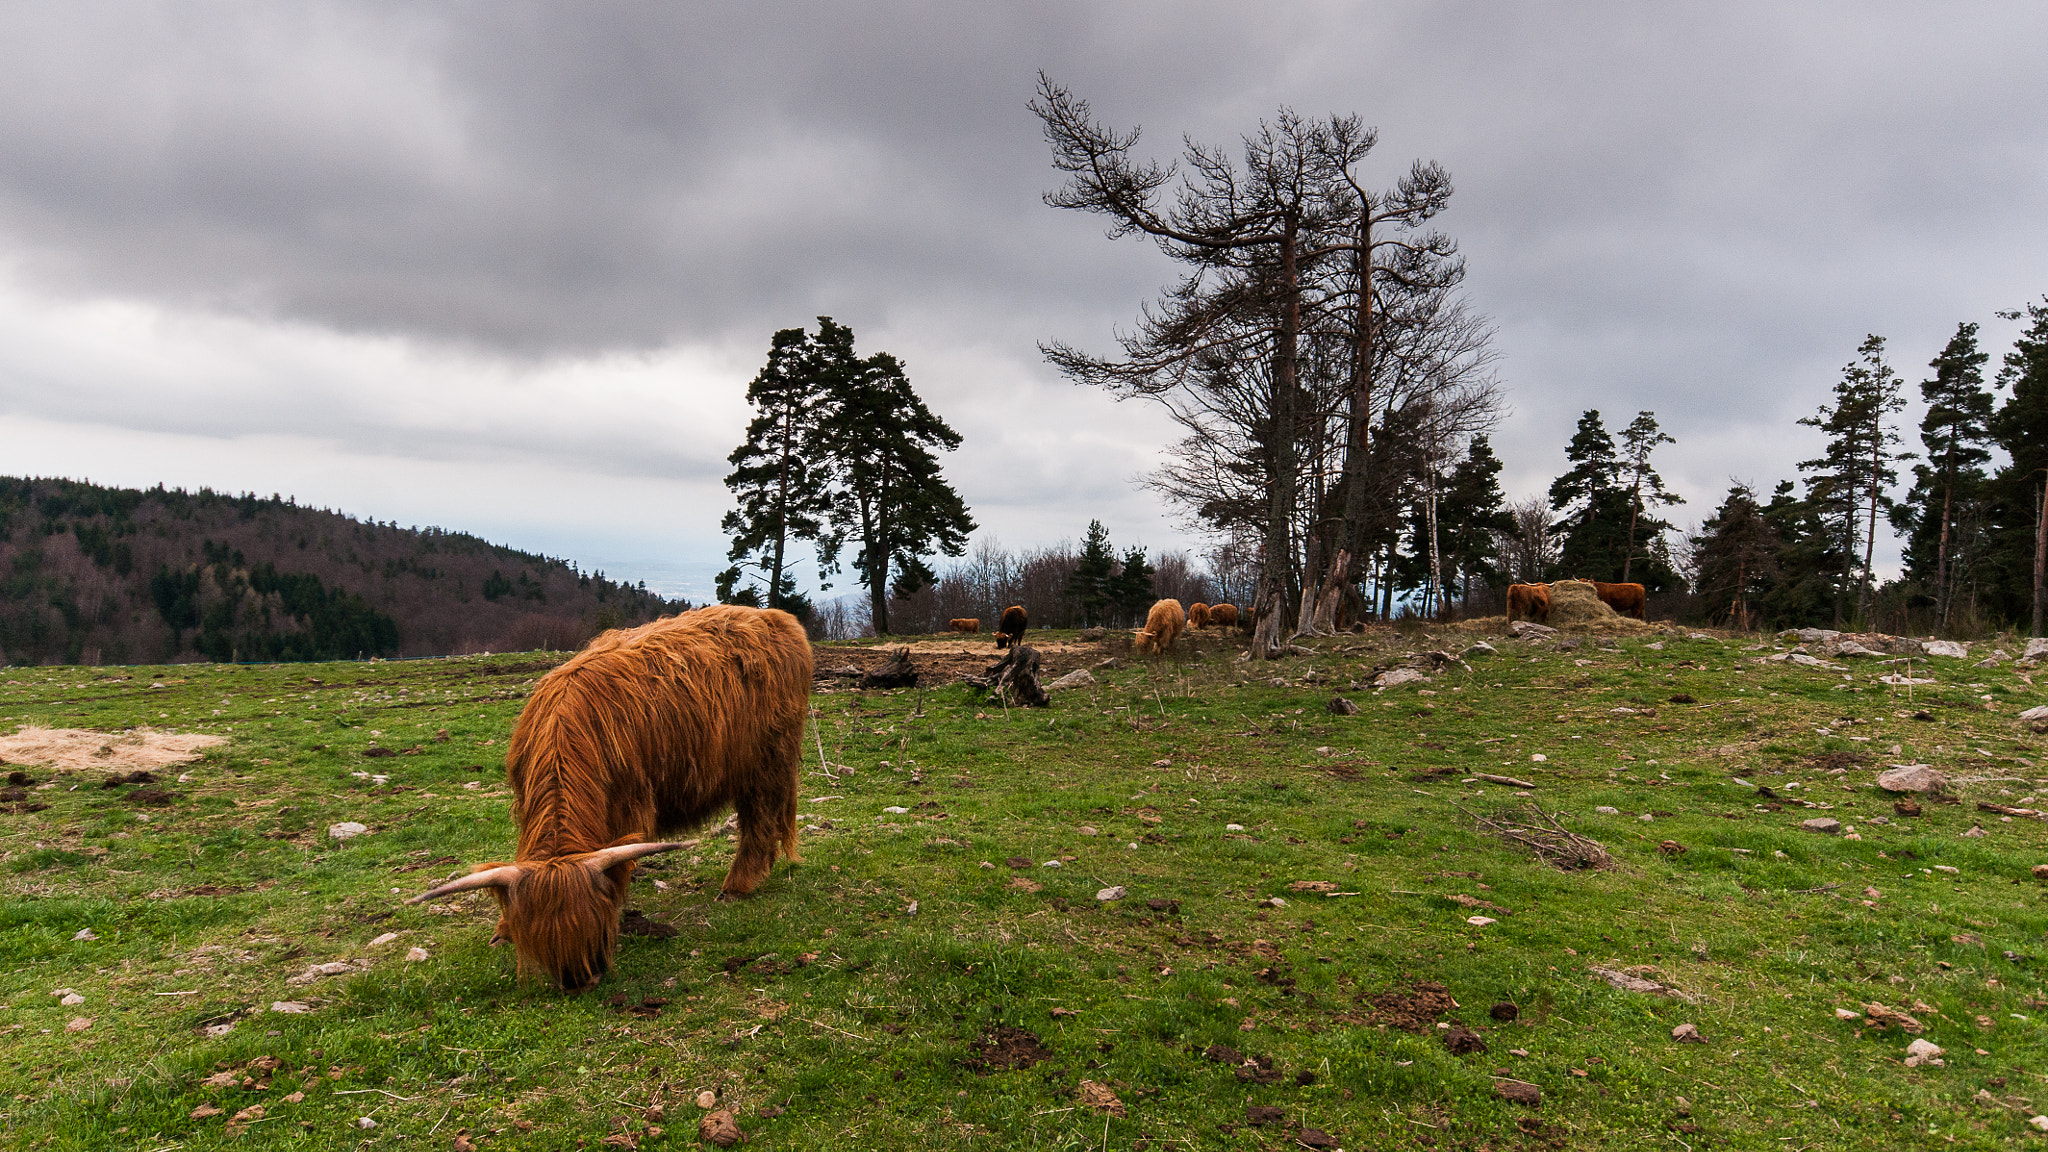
{"x":1575,"y":606}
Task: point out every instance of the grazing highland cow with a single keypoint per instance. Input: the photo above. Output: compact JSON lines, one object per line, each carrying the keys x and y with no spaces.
{"x":1625,"y":599}
{"x":1015,"y":623}
{"x":969,"y":624}
{"x":1223,"y":615}
{"x":1162,"y":624}
{"x":645,"y":731}
{"x":1530,"y":600}
{"x":1198,"y":615}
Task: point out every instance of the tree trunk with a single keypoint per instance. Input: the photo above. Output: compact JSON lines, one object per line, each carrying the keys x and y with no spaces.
{"x":1635,"y":507}
{"x":1017,"y":670}
{"x":1267,"y":643}
{"x":1305,"y":612}
{"x":1941,"y":593}
{"x":896,"y":672}
{"x":2040,"y":560}
{"x":1332,"y":594}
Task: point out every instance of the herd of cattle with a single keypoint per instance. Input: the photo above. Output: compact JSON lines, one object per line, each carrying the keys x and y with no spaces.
{"x":655,"y":729}
{"x":652,"y":730}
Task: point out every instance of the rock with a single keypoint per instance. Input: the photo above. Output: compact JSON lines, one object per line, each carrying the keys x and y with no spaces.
{"x":1339,"y":706}
{"x":290,"y":1007}
{"x":1923,"y":1053}
{"x":1824,"y":825}
{"x":2041,"y":871}
{"x":1115,"y":892}
{"x":1518,"y":1092}
{"x":71,"y":999}
{"x":1482,"y":648}
{"x":79,"y":1024}
{"x":1078,"y":678}
{"x":896,"y":810}
{"x":1845,"y":1014}
{"x":1949,"y":648}
{"x":1604,"y":810}
{"x":415,"y":955}
{"x":1630,"y":982}
{"x":1524,"y":630}
{"x":1086,"y":830}
{"x":315,"y":972}
{"x":386,"y":938}
{"x":2037,"y":649}
{"x":2039,"y":713}
{"x":347,"y":829}
{"x":1101,"y":1098}
{"x":1849,"y":649}
{"x":1911,"y":778}
{"x":1974,"y":832}
{"x":365,"y":1123}
{"x":1394,"y":677}
{"x":2039,"y":1122}
{"x":1885,"y":1017}
{"x":707,"y":1099}
{"x":1480,"y":921}
{"x":84,"y":934}
{"x":1809,"y":635}
{"x":1093,"y":634}
{"x":1687,"y":1034}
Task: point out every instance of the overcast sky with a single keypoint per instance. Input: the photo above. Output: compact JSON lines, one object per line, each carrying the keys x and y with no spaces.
{"x":507,"y":267}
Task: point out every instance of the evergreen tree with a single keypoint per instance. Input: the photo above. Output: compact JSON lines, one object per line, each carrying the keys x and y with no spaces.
{"x":1812,"y":565}
{"x":1131,"y":587}
{"x":1090,"y":583}
{"x":2015,"y":510}
{"x":1851,"y":484}
{"x":1646,"y":488}
{"x":780,"y":476}
{"x":1939,"y":517}
{"x":1472,"y":516}
{"x":1736,"y":559}
{"x":1594,"y":505}
{"x":891,"y":501}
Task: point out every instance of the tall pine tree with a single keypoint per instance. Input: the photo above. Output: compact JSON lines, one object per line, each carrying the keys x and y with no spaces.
{"x":1736,"y":559}
{"x":780,"y":475}
{"x":1645,"y":488}
{"x":1090,"y":584}
{"x":2018,"y":507}
{"x":1472,"y":516}
{"x":1593,"y":503}
{"x":1940,"y":516}
{"x":1852,"y":483}
{"x":891,"y":503}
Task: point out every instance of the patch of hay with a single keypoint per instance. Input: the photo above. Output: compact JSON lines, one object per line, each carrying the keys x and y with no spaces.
{"x":78,"y":749}
{"x":1575,"y":606}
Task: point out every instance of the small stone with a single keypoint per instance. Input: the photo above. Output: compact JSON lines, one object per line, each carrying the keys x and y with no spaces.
{"x":1538,"y":758}
{"x":1085,"y":830}
{"x":79,"y":1024}
{"x":1339,"y":706}
{"x":1115,"y":892}
{"x":1845,"y":1014}
{"x":707,"y":1099}
{"x":1973,"y":833}
{"x":415,"y":955}
{"x":1688,"y":1034}
{"x":71,"y":999}
{"x":1911,"y":778}
{"x":1480,"y":921}
{"x":386,"y":938}
{"x":1050,"y":864}
{"x":1826,"y":826}
{"x":1923,"y":1053}
{"x":84,"y":934}
{"x":290,"y":1007}
{"x":365,"y":1123}
{"x":1646,"y":817}
{"x":345,"y":830}
{"x":895,"y":810}
{"x":2039,"y":1122}
{"x":1079,"y":678}
{"x":1604,"y":810}
{"x":718,"y":1128}
{"x":1233,"y":827}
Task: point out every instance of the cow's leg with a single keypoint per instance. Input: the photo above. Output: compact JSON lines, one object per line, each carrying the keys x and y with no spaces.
{"x":767,"y":814}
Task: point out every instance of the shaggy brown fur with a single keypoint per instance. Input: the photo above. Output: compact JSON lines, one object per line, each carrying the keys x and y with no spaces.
{"x":1625,"y":599}
{"x":1530,"y":600}
{"x":965,"y":624}
{"x":1198,"y":615}
{"x":646,"y":731}
{"x":1162,"y":624}
{"x":1223,"y":615}
{"x":1015,"y":623}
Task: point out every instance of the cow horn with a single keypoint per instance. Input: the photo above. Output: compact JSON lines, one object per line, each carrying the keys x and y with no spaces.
{"x":500,"y":877}
{"x":608,"y":858}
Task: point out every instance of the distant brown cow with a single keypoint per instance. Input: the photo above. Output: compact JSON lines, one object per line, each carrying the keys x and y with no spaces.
{"x":645,"y":731}
{"x":1015,"y":623}
{"x":965,"y":624}
{"x":1223,"y":615}
{"x":1625,"y":599}
{"x":1531,"y":600}
{"x":1162,"y":624}
{"x":1198,"y":615}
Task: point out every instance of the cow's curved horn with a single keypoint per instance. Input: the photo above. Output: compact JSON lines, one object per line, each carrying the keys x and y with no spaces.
{"x":499,"y":877}
{"x":607,"y":858}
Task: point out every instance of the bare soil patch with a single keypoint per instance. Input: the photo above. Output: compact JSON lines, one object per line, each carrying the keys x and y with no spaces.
{"x":80,"y":749}
{"x":1006,"y":1049}
{"x":1415,"y":1010}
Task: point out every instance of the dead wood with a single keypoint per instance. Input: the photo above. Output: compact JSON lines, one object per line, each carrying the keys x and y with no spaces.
{"x":1016,"y":674}
{"x":895,"y":672}
{"x":1552,"y":842}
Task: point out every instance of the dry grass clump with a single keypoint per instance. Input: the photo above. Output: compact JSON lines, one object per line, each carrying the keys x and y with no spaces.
{"x":76,"y":749}
{"x":1553,"y":843}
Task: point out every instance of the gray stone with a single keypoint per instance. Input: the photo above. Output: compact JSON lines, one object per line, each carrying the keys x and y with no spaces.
{"x":1481,"y":649}
{"x":1850,"y":648}
{"x":2040,"y":713}
{"x":2037,"y":649}
{"x":346,"y":829}
{"x":1079,"y":678}
{"x":1397,"y":676}
{"x":1950,"y":648}
{"x":1525,"y":629}
{"x":1911,"y":778}
{"x":1810,"y":635}
{"x":1825,"y":825}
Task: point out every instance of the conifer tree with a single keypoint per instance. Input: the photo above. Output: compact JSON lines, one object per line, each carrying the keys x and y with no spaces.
{"x":1132,"y":586}
{"x":891,"y":501}
{"x":1089,"y":584}
{"x":2018,"y":508}
{"x":780,"y":475}
{"x":1852,"y":482}
{"x":1939,"y":516}
{"x":1646,"y":488}
{"x":1594,"y":504}
{"x":1472,"y":516}
{"x":1736,"y":558}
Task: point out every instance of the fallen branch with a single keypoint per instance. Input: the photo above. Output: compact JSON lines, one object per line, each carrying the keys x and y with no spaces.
{"x":1552,"y":842}
{"x":1508,"y":781}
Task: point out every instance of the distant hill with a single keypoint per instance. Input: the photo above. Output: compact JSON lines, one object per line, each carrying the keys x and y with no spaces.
{"x":93,"y":575}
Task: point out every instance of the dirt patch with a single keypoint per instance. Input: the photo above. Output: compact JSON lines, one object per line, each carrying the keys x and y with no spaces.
{"x":1004,"y":1050}
{"x":1415,"y":1010}
{"x":77,"y":749}
{"x":1829,"y":761}
{"x":636,"y":923}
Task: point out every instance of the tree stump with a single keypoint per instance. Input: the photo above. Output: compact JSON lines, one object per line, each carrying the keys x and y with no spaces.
{"x":1017,"y":671}
{"x":896,"y":672}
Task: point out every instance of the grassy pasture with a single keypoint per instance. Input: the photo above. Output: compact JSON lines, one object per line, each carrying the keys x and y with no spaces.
{"x":867,"y":997}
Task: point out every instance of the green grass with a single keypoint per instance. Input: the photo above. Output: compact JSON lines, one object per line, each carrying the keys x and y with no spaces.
{"x":827,"y":997}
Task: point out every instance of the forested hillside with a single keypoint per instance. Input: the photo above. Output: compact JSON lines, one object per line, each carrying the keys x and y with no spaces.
{"x":93,"y":575}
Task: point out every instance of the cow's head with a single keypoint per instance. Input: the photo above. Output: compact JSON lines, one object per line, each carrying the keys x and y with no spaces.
{"x":561,"y":915}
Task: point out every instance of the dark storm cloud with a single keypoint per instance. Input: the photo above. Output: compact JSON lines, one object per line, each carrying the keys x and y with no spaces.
{"x":1697,"y":210}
